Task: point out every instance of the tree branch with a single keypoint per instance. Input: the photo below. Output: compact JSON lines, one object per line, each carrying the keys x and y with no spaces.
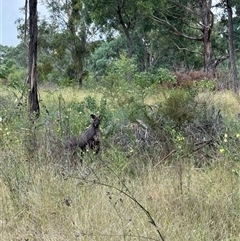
{"x":186,"y":49}
{"x":175,"y":30}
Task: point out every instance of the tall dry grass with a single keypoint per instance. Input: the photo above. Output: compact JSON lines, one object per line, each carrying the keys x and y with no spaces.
{"x":41,"y":198}
{"x":51,"y":95}
{"x":227,"y":101}
{"x":90,"y":202}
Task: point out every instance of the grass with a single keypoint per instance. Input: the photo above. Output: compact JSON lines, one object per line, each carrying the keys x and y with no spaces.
{"x":226,"y":101}
{"x":43,"y":199}
{"x":54,"y":208}
{"x":68,"y":94}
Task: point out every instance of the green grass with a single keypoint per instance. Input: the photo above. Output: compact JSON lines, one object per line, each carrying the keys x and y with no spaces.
{"x":109,"y":197}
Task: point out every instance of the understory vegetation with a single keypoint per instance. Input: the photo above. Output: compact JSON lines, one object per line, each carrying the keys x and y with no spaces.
{"x":168,"y":167}
{"x":162,"y":78}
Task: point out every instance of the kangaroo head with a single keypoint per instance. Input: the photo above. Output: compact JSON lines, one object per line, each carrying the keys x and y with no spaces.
{"x":96,"y":120}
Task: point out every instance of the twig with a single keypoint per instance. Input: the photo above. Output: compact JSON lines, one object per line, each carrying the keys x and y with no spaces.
{"x":166,"y":157}
{"x":202,"y":145}
{"x":128,"y":194}
{"x":137,"y":202}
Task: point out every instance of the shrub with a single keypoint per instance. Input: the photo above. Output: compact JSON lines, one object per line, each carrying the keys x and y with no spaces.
{"x":194,"y":78}
{"x":164,"y":76}
{"x":119,"y":82}
{"x":180,"y":107}
{"x":4,"y":71}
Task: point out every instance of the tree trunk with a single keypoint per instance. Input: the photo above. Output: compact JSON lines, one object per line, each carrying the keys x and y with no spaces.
{"x":78,"y":41}
{"x":129,"y":41}
{"x":233,"y":81}
{"x":32,"y":71}
{"x":126,"y":32}
{"x":204,"y":22}
{"x":207,"y":18}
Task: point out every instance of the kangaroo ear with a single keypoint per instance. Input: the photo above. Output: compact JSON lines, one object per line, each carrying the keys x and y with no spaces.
{"x":93,"y":116}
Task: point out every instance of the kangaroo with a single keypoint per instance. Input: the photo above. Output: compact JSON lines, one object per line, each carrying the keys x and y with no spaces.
{"x":89,"y":138}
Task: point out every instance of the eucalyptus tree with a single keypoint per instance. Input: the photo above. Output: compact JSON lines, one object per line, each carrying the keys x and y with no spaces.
{"x":131,"y":20}
{"x":115,"y":17}
{"x":194,"y":21}
{"x":3,"y":69}
{"x":32,"y":70}
{"x":234,"y":82}
{"x":229,"y":6}
{"x":70,"y":34}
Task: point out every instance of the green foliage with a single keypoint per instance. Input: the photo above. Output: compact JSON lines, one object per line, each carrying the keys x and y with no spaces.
{"x":146,"y":151}
{"x":206,"y":85}
{"x":144,"y":80}
{"x":144,"y":129}
{"x":64,"y":81}
{"x":17,"y":78}
{"x":180,"y":106}
{"x":75,"y":116}
{"x":14,"y":56}
{"x":44,"y":69}
{"x":106,"y":53}
{"x":119,"y":81}
{"x":164,"y":76}
{"x":69,"y":46}
{"x":4,"y":71}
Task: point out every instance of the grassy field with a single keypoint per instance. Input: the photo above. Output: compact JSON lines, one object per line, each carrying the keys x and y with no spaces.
{"x":112,"y":196}
{"x":186,"y":204}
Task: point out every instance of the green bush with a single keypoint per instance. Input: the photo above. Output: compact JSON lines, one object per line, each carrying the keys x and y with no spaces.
{"x":118,"y":83}
{"x":164,"y":76}
{"x":4,"y":71}
{"x":180,"y":107}
{"x":17,"y":78}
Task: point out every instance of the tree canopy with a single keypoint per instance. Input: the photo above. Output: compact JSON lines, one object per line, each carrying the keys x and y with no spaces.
{"x":79,"y":37}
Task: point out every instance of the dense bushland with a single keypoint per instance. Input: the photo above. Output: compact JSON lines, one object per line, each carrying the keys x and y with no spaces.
{"x":168,"y":169}
{"x":169,"y":163}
